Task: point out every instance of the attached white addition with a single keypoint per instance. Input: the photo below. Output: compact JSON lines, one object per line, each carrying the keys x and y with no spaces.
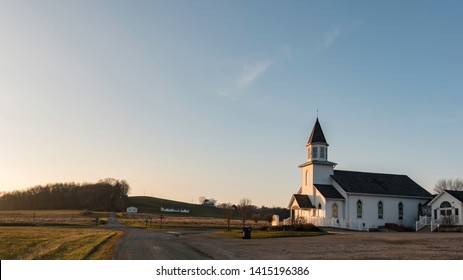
{"x":444,"y":210}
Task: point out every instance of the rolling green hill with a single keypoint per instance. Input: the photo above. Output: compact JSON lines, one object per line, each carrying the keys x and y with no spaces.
{"x":152,"y":205}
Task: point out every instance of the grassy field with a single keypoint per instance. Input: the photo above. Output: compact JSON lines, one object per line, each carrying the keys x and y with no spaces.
{"x":152,"y":205}
{"x":258,"y":234}
{"x":170,"y":221}
{"x":46,"y":243}
{"x":50,"y":217}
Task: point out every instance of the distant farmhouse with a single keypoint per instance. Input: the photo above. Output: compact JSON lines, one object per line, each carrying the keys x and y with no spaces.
{"x":132,"y":209}
{"x":351,"y":199}
{"x":208,"y":202}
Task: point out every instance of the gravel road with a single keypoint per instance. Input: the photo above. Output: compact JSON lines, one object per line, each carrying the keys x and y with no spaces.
{"x":141,"y":244}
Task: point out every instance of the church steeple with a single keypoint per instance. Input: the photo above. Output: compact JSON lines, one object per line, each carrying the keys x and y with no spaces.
{"x":317,"y":169}
{"x":317,"y":147}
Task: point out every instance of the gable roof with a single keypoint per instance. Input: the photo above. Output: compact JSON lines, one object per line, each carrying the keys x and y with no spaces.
{"x":378,"y":184}
{"x":303,"y":201}
{"x":317,"y":135}
{"x":328,"y":191}
{"x":457,"y":194}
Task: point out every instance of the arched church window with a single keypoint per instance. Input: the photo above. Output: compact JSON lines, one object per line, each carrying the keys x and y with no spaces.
{"x":420,"y":210}
{"x":445,"y":204}
{"x":380,"y":210}
{"x":401,"y":211}
{"x":319,"y":206}
{"x":445,"y":212}
{"x":307,"y":177}
{"x":335,"y":211}
{"x":359,"y":209}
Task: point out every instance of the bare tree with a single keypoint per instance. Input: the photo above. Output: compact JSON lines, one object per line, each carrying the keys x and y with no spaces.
{"x":228,"y":208}
{"x":244,"y":206}
{"x":269,"y":218}
{"x":255,"y":218}
{"x":448,"y":184}
{"x":449,"y":220}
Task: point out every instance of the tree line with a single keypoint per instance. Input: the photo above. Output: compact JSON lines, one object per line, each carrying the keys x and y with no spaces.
{"x":105,"y":195}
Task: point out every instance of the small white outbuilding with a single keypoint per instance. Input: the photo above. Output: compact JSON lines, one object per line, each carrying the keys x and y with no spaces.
{"x":132,"y":209}
{"x":275,"y":221}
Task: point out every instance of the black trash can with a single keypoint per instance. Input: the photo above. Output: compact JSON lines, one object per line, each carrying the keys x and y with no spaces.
{"x":246,"y":233}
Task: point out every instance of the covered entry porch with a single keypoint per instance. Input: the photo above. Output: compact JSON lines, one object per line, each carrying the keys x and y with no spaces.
{"x":446,"y":210}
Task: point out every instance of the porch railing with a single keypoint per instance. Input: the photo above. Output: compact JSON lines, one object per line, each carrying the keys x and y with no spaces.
{"x":422,"y":222}
{"x":435,"y":223}
{"x":443,"y":220}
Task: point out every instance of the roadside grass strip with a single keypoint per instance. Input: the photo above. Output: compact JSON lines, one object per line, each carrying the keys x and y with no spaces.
{"x":259,"y":234}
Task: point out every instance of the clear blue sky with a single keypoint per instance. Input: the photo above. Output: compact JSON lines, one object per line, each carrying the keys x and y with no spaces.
{"x":217,"y":98}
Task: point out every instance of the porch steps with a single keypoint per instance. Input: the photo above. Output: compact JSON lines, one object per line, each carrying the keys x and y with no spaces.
{"x":425,"y":229}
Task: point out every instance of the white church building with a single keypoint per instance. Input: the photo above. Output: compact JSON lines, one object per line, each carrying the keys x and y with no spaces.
{"x":352,"y":199}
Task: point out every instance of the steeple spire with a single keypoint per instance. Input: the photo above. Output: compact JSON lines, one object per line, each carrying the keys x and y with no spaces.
{"x":317,"y":135}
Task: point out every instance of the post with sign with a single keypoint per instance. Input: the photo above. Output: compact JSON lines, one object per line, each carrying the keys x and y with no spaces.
{"x":161,"y":217}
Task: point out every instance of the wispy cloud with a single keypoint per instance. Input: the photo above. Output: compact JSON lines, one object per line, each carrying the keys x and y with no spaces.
{"x":251,"y":72}
{"x":331,"y":36}
{"x":242,"y":75}
{"x":334,"y":33}
{"x":227,"y":93}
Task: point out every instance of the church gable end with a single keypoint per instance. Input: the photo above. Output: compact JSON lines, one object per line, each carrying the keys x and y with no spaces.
{"x":303,"y":201}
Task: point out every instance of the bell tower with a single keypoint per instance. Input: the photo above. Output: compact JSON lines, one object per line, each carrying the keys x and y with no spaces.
{"x":317,"y":169}
{"x":317,"y":147}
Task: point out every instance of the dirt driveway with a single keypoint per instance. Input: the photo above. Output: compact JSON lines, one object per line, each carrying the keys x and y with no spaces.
{"x":336,"y":246}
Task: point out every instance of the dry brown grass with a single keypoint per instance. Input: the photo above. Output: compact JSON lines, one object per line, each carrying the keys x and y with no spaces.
{"x":29,"y":243}
{"x":48,"y":217}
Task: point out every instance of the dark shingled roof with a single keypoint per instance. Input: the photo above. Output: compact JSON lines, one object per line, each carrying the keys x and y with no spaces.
{"x":457,"y":194}
{"x":377,"y":183}
{"x":303,"y":201}
{"x":328,"y":191}
{"x":317,"y":135}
